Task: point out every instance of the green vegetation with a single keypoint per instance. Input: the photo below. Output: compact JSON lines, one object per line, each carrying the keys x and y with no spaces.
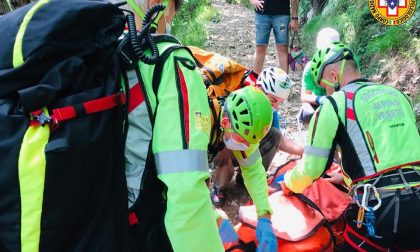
{"x":189,"y":25}
{"x":370,"y":40}
{"x":245,"y":3}
{"x":374,"y":43}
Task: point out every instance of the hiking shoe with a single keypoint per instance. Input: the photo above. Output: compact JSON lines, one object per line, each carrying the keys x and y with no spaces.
{"x":218,"y":197}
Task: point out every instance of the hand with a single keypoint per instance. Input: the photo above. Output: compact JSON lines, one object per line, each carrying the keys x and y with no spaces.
{"x":320,"y":99}
{"x":227,"y":232}
{"x":265,"y":236}
{"x":258,"y":4}
{"x":294,"y":25}
{"x":335,"y":178}
{"x":279,"y":179}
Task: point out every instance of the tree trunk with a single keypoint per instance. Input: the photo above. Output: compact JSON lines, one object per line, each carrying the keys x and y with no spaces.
{"x":317,"y":6}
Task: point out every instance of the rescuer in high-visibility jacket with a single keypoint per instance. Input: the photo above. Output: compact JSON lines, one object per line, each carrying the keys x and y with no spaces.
{"x":375,"y":127}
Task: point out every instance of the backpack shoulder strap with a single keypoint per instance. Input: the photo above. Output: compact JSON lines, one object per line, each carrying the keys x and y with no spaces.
{"x":333,"y":103}
{"x":157,"y":73}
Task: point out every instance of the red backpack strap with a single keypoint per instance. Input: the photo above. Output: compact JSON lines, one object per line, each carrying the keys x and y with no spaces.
{"x":60,"y":115}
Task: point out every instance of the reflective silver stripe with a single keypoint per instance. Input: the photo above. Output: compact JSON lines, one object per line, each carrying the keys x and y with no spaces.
{"x":356,"y":134}
{"x":132,"y":78}
{"x":315,"y":151}
{"x":137,"y":143}
{"x":181,"y":161}
{"x":246,"y":162}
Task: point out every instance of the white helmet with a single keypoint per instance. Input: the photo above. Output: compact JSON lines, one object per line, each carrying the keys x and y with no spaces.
{"x":275,"y":81}
{"x":326,"y":37}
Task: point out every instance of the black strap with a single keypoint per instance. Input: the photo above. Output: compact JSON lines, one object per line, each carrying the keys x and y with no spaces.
{"x":294,"y":35}
{"x":245,"y":247}
{"x":314,"y":206}
{"x":334,"y":104}
{"x":216,"y":120}
{"x":157,"y":73}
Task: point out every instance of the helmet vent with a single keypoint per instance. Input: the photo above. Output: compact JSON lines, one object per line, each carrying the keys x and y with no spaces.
{"x":246,"y":123}
{"x":244,"y":112}
{"x":254,"y":137}
{"x":237,"y":126}
{"x":234,"y":116}
{"x":240,"y":100}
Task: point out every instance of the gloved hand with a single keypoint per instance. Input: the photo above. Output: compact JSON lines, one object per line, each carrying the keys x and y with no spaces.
{"x":280,"y":178}
{"x":265,"y":236}
{"x":320,"y":99}
{"x":227,"y":232}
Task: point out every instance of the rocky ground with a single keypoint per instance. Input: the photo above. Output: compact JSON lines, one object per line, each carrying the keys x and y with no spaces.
{"x":232,"y":34}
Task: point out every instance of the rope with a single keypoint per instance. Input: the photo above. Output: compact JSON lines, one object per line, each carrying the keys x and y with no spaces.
{"x":370,"y":223}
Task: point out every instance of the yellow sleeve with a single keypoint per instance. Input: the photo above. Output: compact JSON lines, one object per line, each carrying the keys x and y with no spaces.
{"x":255,"y":179}
{"x":319,"y":147}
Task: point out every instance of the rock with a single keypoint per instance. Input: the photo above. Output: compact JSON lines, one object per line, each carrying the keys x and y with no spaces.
{"x":417,"y":109}
{"x":234,"y":203}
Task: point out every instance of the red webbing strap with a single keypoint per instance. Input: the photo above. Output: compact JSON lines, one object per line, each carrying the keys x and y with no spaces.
{"x":350,"y":230}
{"x":66,"y":113}
{"x":384,"y":171}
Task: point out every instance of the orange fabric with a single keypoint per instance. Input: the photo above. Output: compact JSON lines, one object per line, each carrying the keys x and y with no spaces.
{"x":246,"y":234}
{"x":221,"y":74}
{"x":318,"y":241}
{"x":292,"y":218}
{"x":326,"y":196}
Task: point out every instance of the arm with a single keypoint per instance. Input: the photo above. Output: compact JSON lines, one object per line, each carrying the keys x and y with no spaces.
{"x":308,"y":96}
{"x":255,"y":178}
{"x":318,"y":151}
{"x":308,"y":84}
{"x":180,"y":138}
{"x":294,"y":10}
{"x":290,"y":147}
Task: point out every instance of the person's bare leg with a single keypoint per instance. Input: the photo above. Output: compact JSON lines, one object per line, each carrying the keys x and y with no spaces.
{"x":259,"y":57}
{"x":223,"y":175}
{"x":283,"y":56}
{"x":224,"y":171}
{"x":290,"y":147}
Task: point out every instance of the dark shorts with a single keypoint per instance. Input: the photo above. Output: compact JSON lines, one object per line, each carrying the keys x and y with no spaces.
{"x":278,"y":23}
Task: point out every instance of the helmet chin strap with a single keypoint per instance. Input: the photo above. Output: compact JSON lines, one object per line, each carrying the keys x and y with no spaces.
{"x":336,"y":86}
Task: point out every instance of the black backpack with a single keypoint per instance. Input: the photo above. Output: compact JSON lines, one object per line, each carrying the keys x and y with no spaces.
{"x":62,"y":114}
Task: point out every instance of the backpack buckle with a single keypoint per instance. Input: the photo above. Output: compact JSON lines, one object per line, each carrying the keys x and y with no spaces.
{"x":41,"y":117}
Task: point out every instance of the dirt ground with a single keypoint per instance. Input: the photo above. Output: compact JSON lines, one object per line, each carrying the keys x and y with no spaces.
{"x":233,"y":36}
